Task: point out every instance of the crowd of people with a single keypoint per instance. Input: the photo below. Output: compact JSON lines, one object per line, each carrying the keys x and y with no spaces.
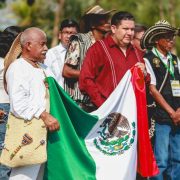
{"x":88,"y":63}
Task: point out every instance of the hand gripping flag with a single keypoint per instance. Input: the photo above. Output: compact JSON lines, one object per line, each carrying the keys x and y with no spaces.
{"x":110,"y":143}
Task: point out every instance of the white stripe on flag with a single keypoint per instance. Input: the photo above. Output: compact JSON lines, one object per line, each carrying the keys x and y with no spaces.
{"x":115,"y":153}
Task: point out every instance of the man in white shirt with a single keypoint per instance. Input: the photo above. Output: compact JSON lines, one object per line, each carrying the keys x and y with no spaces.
{"x":26,"y":88}
{"x":164,"y":68}
{"x":55,"y":56}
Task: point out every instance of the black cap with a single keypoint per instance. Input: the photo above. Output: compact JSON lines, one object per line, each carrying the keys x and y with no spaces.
{"x":14,"y":30}
{"x":6,"y":39}
{"x":69,"y":23}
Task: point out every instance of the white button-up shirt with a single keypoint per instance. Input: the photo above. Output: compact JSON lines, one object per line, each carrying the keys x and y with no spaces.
{"x":25,"y":85}
{"x":55,"y":61}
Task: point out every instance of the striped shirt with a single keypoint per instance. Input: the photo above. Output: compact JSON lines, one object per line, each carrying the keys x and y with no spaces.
{"x":75,"y":55}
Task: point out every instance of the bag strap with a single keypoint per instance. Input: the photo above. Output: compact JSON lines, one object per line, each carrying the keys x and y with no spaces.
{"x":163,"y":83}
{"x":152,"y":121}
{"x":110,"y":62}
{"x":160,"y":89}
{"x":47,"y":92}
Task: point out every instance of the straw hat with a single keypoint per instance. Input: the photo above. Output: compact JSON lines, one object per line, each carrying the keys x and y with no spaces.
{"x":97,"y":10}
{"x":93,"y":16}
{"x":160,"y":28}
{"x":12,"y":55}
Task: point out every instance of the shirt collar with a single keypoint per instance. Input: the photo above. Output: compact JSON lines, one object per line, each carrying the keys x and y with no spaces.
{"x":112,"y":43}
{"x":160,"y":54}
{"x":62,"y":48}
{"x":164,"y":59}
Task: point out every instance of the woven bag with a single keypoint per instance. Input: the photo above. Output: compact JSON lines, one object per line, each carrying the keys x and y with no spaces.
{"x":25,"y":142}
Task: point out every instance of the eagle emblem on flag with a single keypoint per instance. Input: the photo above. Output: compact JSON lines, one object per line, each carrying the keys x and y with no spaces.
{"x":116,"y":135}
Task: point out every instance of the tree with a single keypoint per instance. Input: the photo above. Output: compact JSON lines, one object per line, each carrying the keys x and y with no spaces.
{"x":149,"y":12}
{"x":48,"y":17}
{"x":30,"y":2}
{"x":57,"y":15}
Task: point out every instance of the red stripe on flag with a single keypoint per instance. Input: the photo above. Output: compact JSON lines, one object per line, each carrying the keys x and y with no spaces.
{"x":146,"y":160}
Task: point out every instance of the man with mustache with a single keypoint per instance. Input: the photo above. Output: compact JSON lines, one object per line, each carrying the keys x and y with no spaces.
{"x":107,"y":60}
{"x":164,"y":68}
{"x":25,"y":85}
{"x":94,"y":26}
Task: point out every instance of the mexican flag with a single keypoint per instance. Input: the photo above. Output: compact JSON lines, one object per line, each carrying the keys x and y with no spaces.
{"x":110,"y":143}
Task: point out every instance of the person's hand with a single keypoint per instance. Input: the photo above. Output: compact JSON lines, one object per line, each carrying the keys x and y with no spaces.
{"x":176,"y":117}
{"x":1,"y":113}
{"x":46,"y":84}
{"x":142,"y":67}
{"x":51,"y":123}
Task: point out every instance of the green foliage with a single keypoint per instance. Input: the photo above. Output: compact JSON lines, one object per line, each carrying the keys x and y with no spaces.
{"x":147,"y":12}
{"x":41,"y":13}
{"x":2,"y":5}
{"x":73,"y":9}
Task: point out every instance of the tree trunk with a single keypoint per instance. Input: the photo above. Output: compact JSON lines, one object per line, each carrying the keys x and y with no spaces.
{"x":171,"y":8}
{"x":58,"y":13}
{"x":97,"y":2}
{"x":161,"y":12}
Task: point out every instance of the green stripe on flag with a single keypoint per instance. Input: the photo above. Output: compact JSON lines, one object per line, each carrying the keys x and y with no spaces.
{"x":68,"y":158}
